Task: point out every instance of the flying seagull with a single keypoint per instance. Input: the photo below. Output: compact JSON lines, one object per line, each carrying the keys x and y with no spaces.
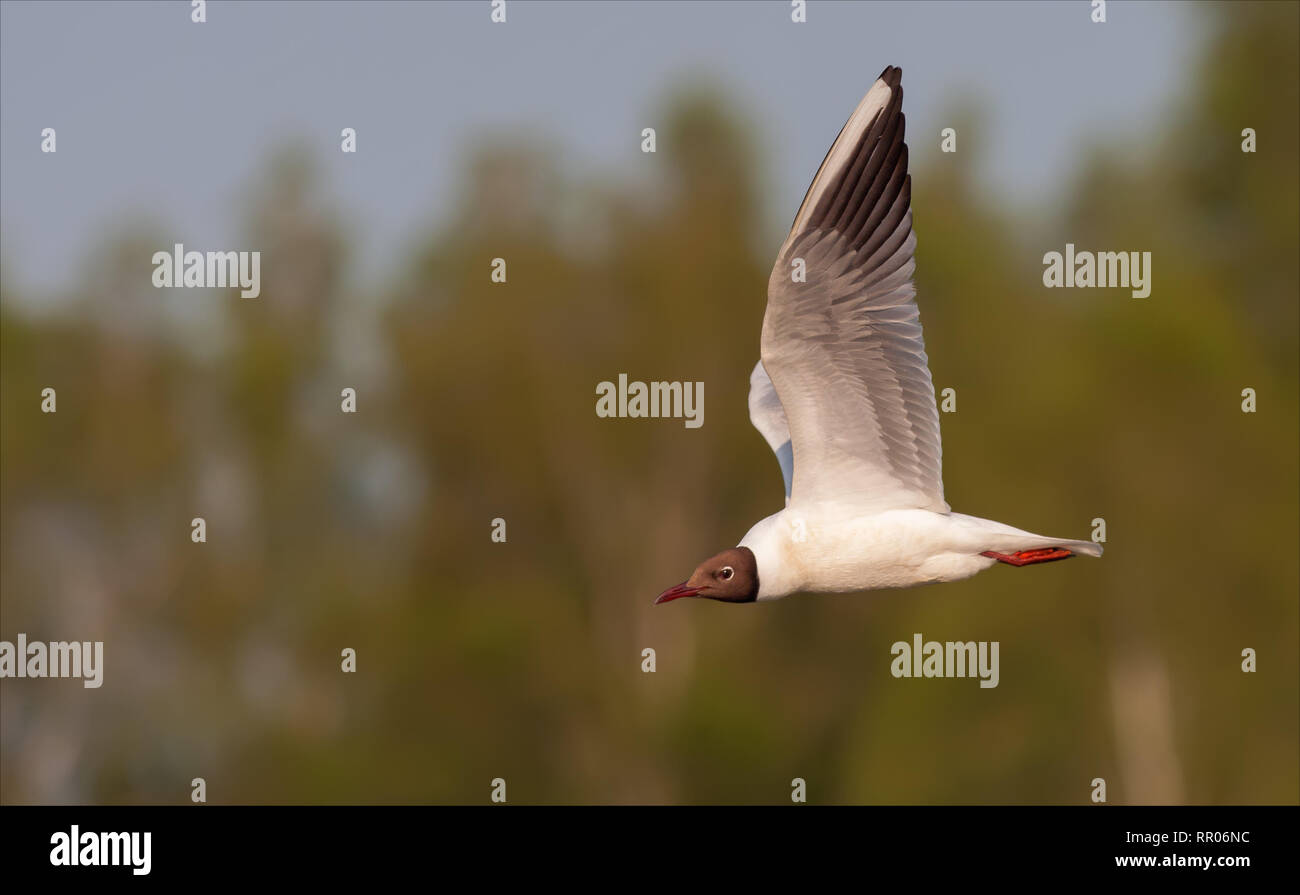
{"x":843,"y":396}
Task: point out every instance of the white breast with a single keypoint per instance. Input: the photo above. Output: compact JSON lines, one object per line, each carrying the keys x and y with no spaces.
{"x":823,"y":548}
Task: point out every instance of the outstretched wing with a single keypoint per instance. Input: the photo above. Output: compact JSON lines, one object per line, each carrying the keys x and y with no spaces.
{"x":842,"y":343}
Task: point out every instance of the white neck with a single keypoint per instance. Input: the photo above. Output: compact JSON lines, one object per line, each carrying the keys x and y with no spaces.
{"x":770,"y":540}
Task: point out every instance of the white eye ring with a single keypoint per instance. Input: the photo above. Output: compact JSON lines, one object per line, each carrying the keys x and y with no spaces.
{"x":727,"y":572}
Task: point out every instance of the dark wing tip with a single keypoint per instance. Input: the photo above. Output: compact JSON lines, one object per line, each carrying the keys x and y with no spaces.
{"x":892,"y":75}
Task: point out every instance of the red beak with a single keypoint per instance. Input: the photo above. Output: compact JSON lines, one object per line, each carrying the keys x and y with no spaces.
{"x":674,"y":593}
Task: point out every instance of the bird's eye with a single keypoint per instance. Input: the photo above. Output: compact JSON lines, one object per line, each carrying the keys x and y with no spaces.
{"x":727,"y":572}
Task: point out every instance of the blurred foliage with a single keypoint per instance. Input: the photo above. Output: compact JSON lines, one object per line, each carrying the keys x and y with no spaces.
{"x":522,"y":660}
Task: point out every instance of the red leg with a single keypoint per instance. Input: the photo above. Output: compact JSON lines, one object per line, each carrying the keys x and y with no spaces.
{"x":1029,"y":557}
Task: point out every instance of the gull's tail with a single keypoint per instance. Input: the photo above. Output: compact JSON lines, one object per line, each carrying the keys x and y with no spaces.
{"x":1017,"y":547}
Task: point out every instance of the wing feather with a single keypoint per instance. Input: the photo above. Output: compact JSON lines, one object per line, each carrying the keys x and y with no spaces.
{"x":844,"y":349}
{"x":768,"y":417}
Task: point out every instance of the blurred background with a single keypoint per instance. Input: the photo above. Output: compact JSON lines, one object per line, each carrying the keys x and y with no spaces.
{"x":476,"y":400}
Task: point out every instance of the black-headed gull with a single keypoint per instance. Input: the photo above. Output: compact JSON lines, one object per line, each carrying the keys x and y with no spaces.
{"x":843,"y":395}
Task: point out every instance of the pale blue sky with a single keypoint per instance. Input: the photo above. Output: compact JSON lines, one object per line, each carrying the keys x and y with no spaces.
{"x":161,"y":118}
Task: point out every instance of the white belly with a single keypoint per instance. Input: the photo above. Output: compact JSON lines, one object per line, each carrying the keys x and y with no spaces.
{"x":819,"y":549}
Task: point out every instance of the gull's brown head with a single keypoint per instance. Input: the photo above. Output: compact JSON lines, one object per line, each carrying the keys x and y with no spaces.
{"x":731,"y":576}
